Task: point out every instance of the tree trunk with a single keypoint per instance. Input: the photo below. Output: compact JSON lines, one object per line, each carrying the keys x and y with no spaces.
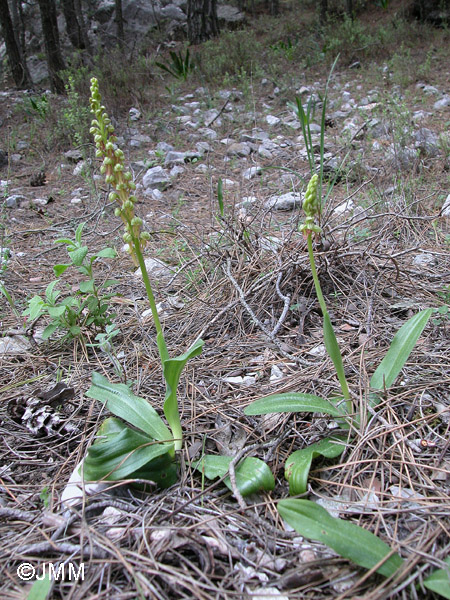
{"x":350,"y":8}
{"x":51,"y":41}
{"x":82,"y":23}
{"x":119,"y":22}
{"x":72,"y":25}
{"x":202,"y":20}
{"x":16,"y":61}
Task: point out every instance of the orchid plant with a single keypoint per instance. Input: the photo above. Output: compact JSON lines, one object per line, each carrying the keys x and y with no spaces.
{"x":306,"y":517}
{"x":148,"y":449}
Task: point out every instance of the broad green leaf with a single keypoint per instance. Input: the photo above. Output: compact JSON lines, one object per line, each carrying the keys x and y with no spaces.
{"x":56,"y":311}
{"x":162,"y":470}
{"x":65,"y":241}
{"x":346,"y":539}
{"x":172,"y":369}
{"x":108,"y":283}
{"x":106,"y":253}
{"x":78,"y":232}
{"x":120,"y":451}
{"x":35,"y":308}
{"x":439,"y":580}
{"x":401,"y":347}
{"x":334,"y":352}
{"x":49,"y":330}
{"x":40,"y":588}
{"x":75,"y":330}
{"x":121,"y":401}
{"x":292,"y":402}
{"x":87,"y":287}
{"x":59,"y":269}
{"x":78,"y":255}
{"x":252,"y":474}
{"x":50,"y":293}
{"x":298,"y":465}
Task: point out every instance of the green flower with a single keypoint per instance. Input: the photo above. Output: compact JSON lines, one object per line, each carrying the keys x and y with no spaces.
{"x":113,"y":169}
{"x":311,"y":208}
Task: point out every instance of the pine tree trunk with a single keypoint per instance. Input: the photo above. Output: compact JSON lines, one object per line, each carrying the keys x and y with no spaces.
{"x":51,"y":41}
{"x":202,"y":20}
{"x":16,"y":61}
{"x":72,"y":26}
{"x":119,"y":22}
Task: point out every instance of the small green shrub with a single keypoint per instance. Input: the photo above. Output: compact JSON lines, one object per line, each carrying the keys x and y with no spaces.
{"x":230,"y":54}
{"x":88,"y":307}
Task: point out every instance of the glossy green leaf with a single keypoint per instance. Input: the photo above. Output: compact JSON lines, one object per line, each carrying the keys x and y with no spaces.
{"x":334,"y":352}
{"x":78,"y":232}
{"x":439,"y":580}
{"x":108,"y":283}
{"x":35,"y":308}
{"x":40,"y":588}
{"x":401,"y":347}
{"x":60,"y":269}
{"x":106,"y":253}
{"x":119,"y":451}
{"x":49,"y":330}
{"x":162,"y":471}
{"x":78,"y":255}
{"x":121,"y":401}
{"x":50,"y":293}
{"x":56,"y":311}
{"x":292,"y":402}
{"x":346,"y":539}
{"x":252,"y":474}
{"x":172,"y":369}
{"x":87,"y":287}
{"x":298,"y":465}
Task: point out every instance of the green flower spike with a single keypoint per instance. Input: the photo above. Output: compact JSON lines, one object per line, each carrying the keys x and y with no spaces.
{"x":114,"y":170}
{"x":122,"y":181}
{"x":311,"y":208}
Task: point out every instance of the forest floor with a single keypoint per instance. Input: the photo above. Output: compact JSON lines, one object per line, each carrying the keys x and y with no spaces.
{"x":384,"y":255}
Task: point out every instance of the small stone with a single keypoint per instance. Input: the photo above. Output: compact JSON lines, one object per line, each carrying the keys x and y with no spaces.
{"x":287,"y":201}
{"x":156,"y":178}
{"x":444,"y":102}
{"x":423,"y":260}
{"x":134,"y":114}
{"x":241,"y":149}
{"x":173,"y":158}
{"x":164,"y":147}
{"x":208,"y":133}
{"x":14,"y":201}
{"x":79,"y":168}
{"x":156,"y":269}
{"x":228,"y":183}
{"x":40,"y":201}
{"x":252,"y":172}
{"x":73,"y":156}
{"x":445,"y":211}
{"x":271,"y":120}
{"x":276,"y":373}
{"x":17,"y":344}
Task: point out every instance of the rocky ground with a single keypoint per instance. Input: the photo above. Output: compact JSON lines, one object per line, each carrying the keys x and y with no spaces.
{"x":226,"y":277}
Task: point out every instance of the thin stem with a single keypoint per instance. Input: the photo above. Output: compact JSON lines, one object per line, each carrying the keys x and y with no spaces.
{"x":319,"y":294}
{"x":329,"y":336}
{"x":162,"y":347}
